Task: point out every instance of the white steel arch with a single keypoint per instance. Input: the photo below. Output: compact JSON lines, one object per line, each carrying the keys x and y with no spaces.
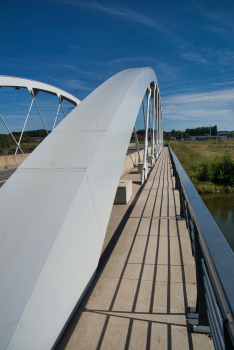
{"x":55,"y":208}
{"x":33,"y":85}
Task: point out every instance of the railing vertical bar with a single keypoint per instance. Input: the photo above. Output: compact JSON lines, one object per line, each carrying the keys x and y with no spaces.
{"x":214,"y":284}
{"x":216,"y":345}
{"x":210,"y":292}
{"x":214,"y":320}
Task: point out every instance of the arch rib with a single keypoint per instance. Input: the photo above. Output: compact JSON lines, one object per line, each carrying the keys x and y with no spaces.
{"x":63,"y":196}
{"x":33,"y":85}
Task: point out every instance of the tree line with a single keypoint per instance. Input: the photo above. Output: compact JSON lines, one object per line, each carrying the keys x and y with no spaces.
{"x":32,"y":133}
{"x":203,"y":131}
{"x":6,"y":140}
{"x":200,"y":131}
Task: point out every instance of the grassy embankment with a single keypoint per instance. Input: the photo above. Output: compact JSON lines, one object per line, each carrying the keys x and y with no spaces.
{"x":28,"y":141}
{"x":209,"y":164}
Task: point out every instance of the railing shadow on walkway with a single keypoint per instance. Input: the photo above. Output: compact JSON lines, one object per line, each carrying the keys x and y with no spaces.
{"x":139,"y":296}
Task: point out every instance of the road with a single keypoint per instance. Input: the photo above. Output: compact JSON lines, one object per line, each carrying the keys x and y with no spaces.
{"x":5,"y":174}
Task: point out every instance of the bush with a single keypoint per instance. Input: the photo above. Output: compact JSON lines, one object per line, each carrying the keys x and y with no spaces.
{"x":209,"y":166}
{"x":220,"y":170}
{"x":5,"y":141}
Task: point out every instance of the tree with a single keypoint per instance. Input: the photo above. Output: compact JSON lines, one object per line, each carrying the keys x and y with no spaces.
{"x":5,"y":141}
{"x":214,"y":130}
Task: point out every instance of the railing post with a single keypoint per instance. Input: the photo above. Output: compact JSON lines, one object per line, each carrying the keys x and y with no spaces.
{"x":202,"y":324}
{"x":183,"y":205}
{"x":175,"y":174}
{"x":177,"y":182}
{"x":226,"y":335}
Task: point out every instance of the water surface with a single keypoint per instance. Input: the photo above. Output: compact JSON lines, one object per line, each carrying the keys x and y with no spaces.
{"x":221,"y":207}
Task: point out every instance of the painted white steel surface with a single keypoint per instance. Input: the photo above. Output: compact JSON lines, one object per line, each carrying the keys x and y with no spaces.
{"x":54,"y":212}
{"x":36,"y":85}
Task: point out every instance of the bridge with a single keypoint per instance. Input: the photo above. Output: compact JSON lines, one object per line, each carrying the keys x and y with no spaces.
{"x":143,"y":292}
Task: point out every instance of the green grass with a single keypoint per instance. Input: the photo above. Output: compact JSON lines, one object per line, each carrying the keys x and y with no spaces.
{"x":209,"y":164}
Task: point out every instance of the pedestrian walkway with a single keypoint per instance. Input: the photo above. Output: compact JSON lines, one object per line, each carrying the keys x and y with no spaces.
{"x":146,"y":276}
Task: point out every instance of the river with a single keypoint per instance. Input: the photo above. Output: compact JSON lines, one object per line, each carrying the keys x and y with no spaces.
{"x":221,"y":207}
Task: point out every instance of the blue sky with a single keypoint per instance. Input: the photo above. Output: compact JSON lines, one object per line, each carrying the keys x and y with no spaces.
{"x":77,"y":45}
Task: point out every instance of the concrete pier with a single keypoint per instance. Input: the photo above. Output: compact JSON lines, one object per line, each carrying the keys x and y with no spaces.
{"x":146,"y":276}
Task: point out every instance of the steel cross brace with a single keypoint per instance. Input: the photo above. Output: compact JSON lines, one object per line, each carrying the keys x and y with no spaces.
{"x":11,"y":134}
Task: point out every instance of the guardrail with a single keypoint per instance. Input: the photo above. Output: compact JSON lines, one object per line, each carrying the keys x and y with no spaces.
{"x":214,"y":259}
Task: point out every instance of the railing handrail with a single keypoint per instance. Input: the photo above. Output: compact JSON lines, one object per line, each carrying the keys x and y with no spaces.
{"x":217,"y":253}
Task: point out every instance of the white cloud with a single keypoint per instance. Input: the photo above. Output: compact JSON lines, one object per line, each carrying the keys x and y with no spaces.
{"x":227,"y":94}
{"x":224,"y":83}
{"x":220,"y":18}
{"x":77,"y":84}
{"x":158,"y":23}
{"x":189,"y":110}
{"x":117,"y":11}
{"x":193,"y":56}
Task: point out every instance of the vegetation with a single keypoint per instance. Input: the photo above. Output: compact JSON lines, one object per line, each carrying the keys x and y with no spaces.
{"x":209,"y":165}
{"x":5,"y":141}
{"x":203,"y":131}
{"x":179,"y":135}
{"x":7,"y":144}
{"x":33,"y":133}
{"x":183,"y":135}
{"x":141,"y":132}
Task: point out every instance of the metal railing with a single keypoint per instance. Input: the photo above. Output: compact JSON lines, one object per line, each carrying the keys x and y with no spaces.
{"x":214,"y":259}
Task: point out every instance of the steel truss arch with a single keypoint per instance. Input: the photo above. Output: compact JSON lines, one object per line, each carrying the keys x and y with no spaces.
{"x":36,"y":86}
{"x":61,"y":197}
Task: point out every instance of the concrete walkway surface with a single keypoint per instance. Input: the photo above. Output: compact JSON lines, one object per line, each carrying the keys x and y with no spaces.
{"x":146,"y":276}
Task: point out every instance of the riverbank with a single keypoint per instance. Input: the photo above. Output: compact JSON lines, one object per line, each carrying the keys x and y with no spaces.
{"x":209,"y":164}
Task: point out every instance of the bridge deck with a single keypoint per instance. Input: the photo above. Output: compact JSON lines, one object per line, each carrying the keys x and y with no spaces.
{"x":138,"y":297}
